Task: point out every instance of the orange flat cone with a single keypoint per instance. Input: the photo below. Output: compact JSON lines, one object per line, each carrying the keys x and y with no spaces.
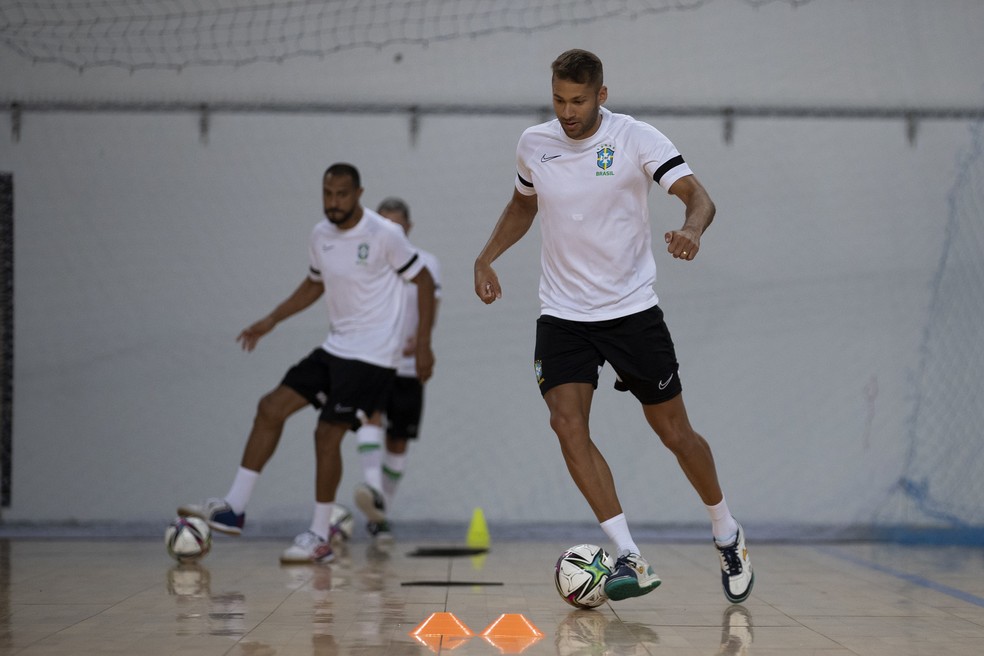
{"x":511,"y":625}
{"x":511,"y":633}
{"x":443,"y":624}
{"x":442,"y":631}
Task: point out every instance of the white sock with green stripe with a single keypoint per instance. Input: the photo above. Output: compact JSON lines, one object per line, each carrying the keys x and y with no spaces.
{"x":393,"y":466}
{"x":370,"y":440}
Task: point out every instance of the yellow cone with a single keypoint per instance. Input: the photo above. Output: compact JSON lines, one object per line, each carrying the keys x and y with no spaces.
{"x":478,"y":531}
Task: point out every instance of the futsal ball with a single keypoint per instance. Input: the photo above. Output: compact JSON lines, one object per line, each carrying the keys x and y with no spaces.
{"x":187,"y":539}
{"x":342,"y":524}
{"x":581,"y":574}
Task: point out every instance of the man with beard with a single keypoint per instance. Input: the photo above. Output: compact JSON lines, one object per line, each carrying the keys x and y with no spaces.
{"x":587,"y":175}
{"x":359,"y":262}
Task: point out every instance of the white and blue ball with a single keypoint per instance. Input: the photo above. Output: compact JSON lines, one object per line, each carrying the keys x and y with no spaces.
{"x":342,"y":524}
{"x":187,"y":539}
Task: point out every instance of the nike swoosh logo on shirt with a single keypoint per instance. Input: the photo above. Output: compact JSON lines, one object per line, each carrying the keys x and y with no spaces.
{"x":544,"y":158}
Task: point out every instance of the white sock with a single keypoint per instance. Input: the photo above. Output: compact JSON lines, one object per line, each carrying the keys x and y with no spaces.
{"x":393,"y":466}
{"x":724,"y":528}
{"x":370,"y":439}
{"x":617,"y":530}
{"x":321,"y":522}
{"x":241,"y":489}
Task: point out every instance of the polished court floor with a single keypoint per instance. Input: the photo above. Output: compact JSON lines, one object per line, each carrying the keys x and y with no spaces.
{"x":125,"y":596}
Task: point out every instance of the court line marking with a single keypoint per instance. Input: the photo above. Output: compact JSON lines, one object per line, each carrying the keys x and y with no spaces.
{"x":906,"y":576}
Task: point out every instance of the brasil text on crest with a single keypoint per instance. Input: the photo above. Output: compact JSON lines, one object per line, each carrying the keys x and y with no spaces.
{"x":606,"y":159}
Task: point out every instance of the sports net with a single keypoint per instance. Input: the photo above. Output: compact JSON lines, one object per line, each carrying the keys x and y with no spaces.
{"x":6,"y":332}
{"x":173,"y":34}
{"x":942,"y":476}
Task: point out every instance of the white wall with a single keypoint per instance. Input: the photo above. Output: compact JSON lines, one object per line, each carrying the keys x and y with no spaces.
{"x":140,"y":253}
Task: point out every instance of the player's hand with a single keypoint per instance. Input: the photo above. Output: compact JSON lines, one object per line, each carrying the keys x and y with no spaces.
{"x":682,"y":244}
{"x":251,"y":335}
{"x":425,"y":363}
{"x":487,"y":283}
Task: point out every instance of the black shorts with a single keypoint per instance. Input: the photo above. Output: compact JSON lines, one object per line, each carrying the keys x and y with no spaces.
{"x":638,"y":347}
{"x":340,"y":388}
{"x":404,"y":408}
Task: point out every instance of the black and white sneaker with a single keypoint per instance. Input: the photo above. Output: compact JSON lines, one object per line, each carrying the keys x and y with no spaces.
{"x":380,"y":532}
{"x":737,"y":576}
{"x":371,"y":502}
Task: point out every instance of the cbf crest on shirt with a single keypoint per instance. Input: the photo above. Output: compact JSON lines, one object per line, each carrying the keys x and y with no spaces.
{"x":606,"y":158}
{"x":363,"y":270}
{"x":592,"y":207}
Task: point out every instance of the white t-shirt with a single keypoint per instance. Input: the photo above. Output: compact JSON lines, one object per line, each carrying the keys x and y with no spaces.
{"x":593,"y":204}
{"x":407,"y":366}
{"x":363,"y":270}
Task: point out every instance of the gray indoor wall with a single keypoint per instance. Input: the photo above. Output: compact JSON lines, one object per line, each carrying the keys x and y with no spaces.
{"x":141,"y":250}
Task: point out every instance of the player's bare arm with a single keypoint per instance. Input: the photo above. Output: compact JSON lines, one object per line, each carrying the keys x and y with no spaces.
{"x":302,"y":298}
{"x":685,"y":242}
{"x":410,"y":346}
{"x":514,"y":222}
{"x":426,"y":305}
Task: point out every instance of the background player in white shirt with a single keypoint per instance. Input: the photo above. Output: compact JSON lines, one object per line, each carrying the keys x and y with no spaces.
{"x":383,"y":469}
{"x":358,"y":262}
{"x":587,"y":175}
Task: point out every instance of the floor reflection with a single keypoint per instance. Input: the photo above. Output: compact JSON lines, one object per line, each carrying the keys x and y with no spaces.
{"x":6,"y":636}
{"x":584,"y":632}
{"x":736,"y":631}
{"x":597,"y":633}
{"x":70,"y":598}
{"x":200,"y":611}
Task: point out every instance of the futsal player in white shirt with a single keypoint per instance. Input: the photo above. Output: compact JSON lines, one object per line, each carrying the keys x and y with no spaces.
{"x":384,"y":441}
{"x":586,"y":175}
{"x":359,"y":262}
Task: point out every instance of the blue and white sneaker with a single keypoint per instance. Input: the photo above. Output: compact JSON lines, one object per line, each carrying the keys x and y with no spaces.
{"x":737,"y":576}
{"x":217,"y":513}
{"x":308,"y":547}
{"x":631,"y":577}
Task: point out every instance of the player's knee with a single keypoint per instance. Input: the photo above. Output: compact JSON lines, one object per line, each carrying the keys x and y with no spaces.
{"x":328,"y":436}
{"x":268,"y":410}
{"x":568,"y":426}
{"x":680,"y":439}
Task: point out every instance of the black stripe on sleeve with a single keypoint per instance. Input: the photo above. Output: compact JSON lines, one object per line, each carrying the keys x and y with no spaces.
{"x":671,"y":163}
{"x":408,"y":264}
{"x":314,"y":272}
{"x":526,"y":183}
